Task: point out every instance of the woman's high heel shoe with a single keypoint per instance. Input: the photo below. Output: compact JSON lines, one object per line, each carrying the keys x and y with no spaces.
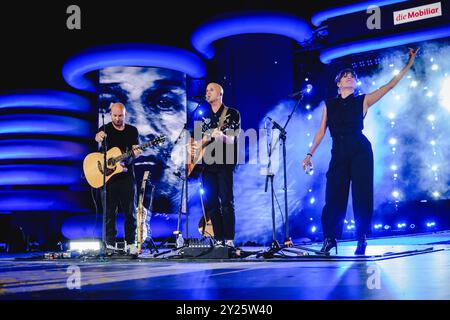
{"x":328,"y":244}
{"x":361,"y":246}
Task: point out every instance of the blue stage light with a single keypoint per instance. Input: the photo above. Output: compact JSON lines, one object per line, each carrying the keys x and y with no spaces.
{"x":200,"y":112}
{"x":42,"y":149}
{"x":318,"y":18}
{"x":202,"y":191}
{"x":248,"y":23}
{"x":40,"y":174}
{"x":313,"y":229}
{"x":145,"y":55}
{"x":45,"y":124}
{"x":42,"y":200}
{"x":45,"y":100}
{"x":327,"y":55}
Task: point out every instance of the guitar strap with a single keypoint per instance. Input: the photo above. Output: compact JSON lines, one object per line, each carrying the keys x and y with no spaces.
{"x":222,"y":116}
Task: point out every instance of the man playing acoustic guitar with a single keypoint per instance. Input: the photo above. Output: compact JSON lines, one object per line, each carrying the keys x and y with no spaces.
{"x":223,"y":124}
{"x":120,"y":188}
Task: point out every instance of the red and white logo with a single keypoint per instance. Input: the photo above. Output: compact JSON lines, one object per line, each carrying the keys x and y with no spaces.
{"x":418,"y":13}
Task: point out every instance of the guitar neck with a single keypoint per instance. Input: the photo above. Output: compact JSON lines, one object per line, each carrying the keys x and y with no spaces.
{"x":130,"y":153}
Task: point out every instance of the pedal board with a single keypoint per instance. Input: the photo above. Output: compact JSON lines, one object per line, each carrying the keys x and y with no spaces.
{"x":204,"y":249}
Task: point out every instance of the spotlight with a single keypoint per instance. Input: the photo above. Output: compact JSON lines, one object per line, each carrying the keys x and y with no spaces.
{"x":431,"y":118}
{"x":395,"y":194}
{"x":200,"y":112}
{"x":431,"y":224}
{"x":359,"y":83}
{"x":429,"y":94}
{"x":434,"y":67}
{"x":396,"y":72}
{"x":394,"y":167}
{"x":434,"y":167}
{"x":436,"y":194}
{"x":413,"y":84}
{"x":401,"y":225}
{"x":387,"y":227}
{"x":313,"y":229}
{"x":395,"y":175}
{"x":391,"y":115}
{"x":393,"y":141}
{"x":312,"y":200}
{"x":310,"y":219}
{"x":412,"y":225}
{"x":308,"y":107}
{"x":345,"y":221}
{"x":84,"y":245}
{"x":202,"y":191}
{"x":309,"y":116}
{"x":306,"y":79}
{"x":433,"y":143}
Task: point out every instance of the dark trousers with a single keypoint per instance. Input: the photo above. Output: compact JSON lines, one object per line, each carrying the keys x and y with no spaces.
{"x":120,"y":191}
{"x":219,"y":200}
{"x":351,"y":162}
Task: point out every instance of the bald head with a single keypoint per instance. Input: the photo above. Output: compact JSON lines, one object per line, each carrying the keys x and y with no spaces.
{"x":214,"y":93}
{"x":119,"y":106}
{"x":118,"y":112}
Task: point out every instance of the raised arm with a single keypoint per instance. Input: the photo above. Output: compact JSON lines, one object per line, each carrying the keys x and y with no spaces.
{"x":371,"y":98}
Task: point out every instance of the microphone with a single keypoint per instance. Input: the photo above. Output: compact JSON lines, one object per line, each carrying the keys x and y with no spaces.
{"x":302,"y":92}
{"x":275,"y":124}
{"x":198,"y":98}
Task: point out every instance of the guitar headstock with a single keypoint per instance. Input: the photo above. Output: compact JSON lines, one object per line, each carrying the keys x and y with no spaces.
{"x":158,"y":140}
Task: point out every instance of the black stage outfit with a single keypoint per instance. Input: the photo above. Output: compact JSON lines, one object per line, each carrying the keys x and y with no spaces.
{"x":351,"y":161}
{"x":121,"y":188}
{"x":217,"y":177}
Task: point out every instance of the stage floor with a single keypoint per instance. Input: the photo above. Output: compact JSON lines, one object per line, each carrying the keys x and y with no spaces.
{"x":396,"y":268}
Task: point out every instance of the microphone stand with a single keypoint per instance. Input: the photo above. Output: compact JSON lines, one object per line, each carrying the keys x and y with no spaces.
{"x":275,"y":247}
{"x":105,"y":168}
{"x":184,"y":189}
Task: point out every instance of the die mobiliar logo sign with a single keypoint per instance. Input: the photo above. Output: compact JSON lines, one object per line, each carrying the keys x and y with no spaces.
{"x":418,"y":13}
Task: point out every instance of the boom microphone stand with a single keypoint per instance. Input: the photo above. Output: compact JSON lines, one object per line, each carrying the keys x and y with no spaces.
{"x":275,"y":247}
{"x":105,"y":168}
{"x":184,"y":185}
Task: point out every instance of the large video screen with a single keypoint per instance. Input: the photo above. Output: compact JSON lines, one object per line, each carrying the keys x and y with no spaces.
{"x":155,"y":101}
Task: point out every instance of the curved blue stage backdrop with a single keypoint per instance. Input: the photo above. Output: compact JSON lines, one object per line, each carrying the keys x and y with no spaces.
{"x":129,"y":54}
{"x":228,"y":25}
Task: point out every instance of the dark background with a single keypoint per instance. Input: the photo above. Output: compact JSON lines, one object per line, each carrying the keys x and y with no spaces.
{"x":36,"y":42}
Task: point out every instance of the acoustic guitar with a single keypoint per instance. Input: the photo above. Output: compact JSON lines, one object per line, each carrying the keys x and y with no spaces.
{"x":93,"y":162}
{"x":195,"y":158}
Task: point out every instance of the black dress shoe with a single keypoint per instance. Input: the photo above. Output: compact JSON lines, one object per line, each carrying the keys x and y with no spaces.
{"x":361,"y":246}
{"x":328,"y":244}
